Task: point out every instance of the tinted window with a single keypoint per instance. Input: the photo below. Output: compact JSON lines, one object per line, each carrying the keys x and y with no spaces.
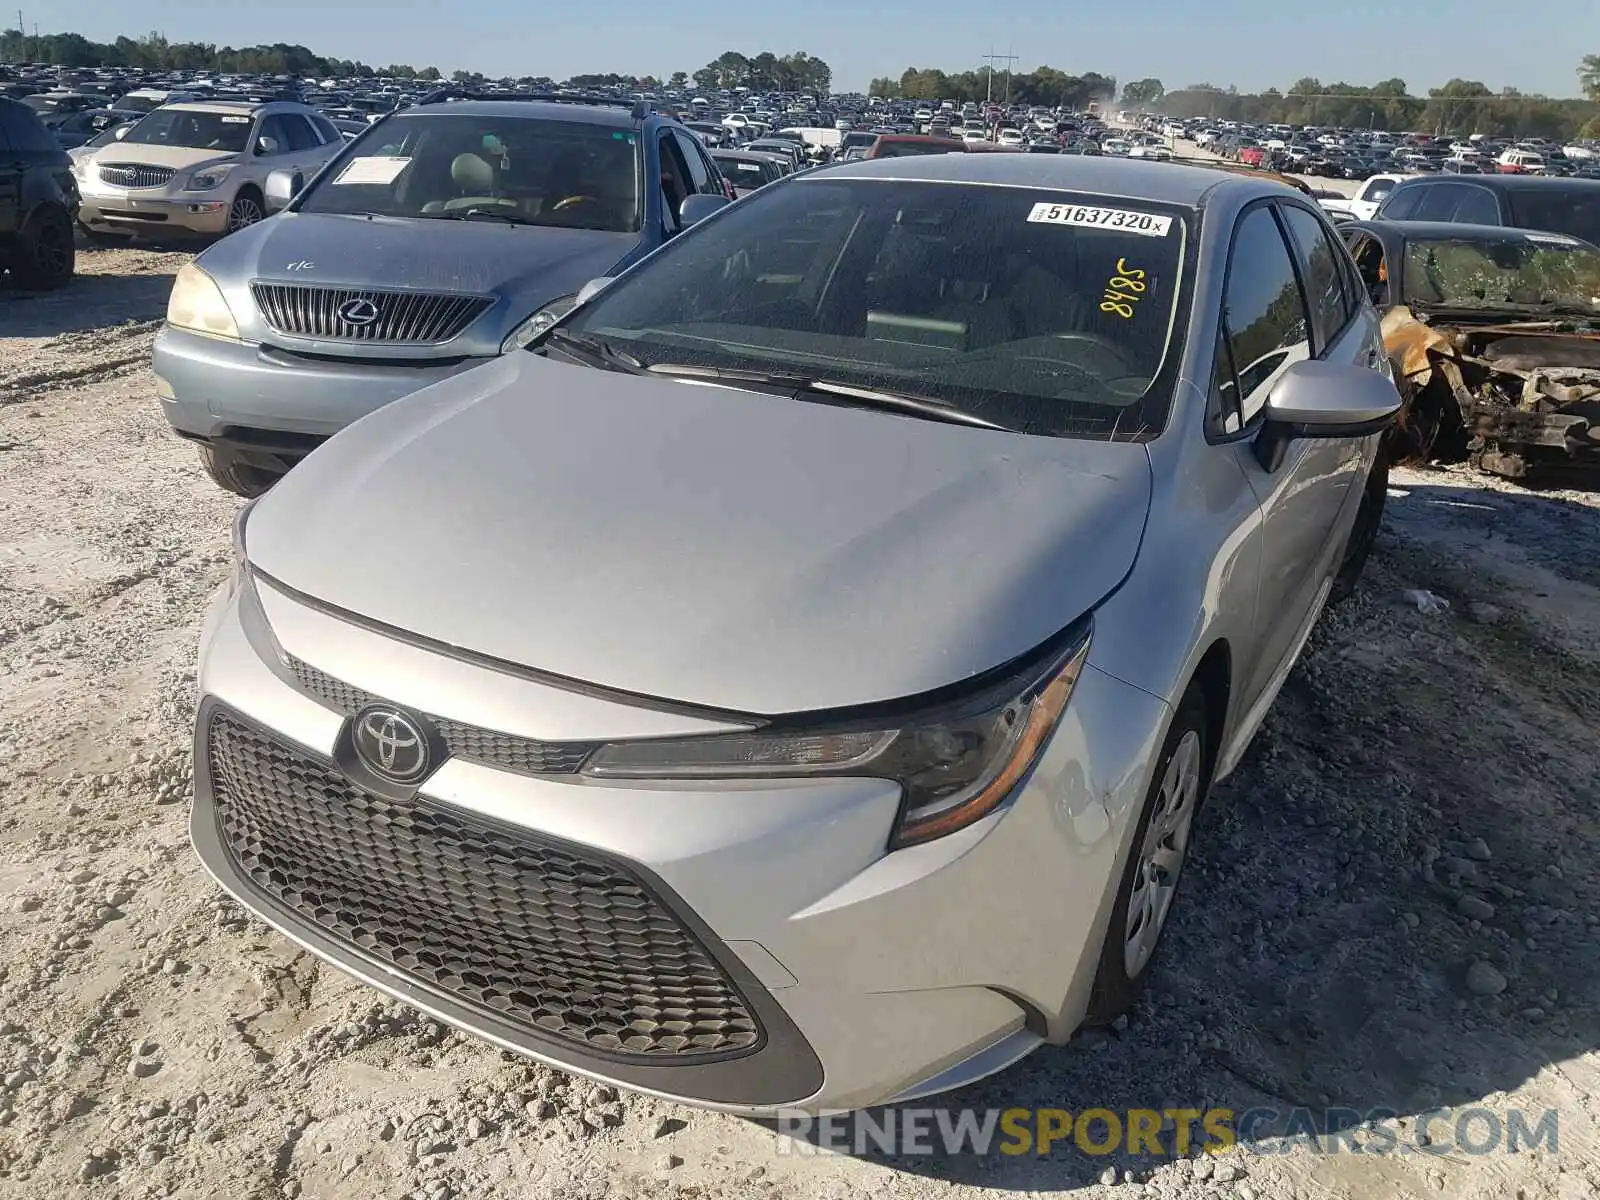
{"x":301,"y":135}
{"x":1320,"y":265}
{"x":24,"y":131}
{"x":329,"y":131}
{"x":276,"y":128}
{"x":700,"y":179}
{"x":1262,"y":311}
{"x":1438,"y":202}
{"x":990,"y":299}
{"x":1570,"y":208}
{"x":1401,"y":203}
{"x":508,"y":168}
{"x":1477,"y":207}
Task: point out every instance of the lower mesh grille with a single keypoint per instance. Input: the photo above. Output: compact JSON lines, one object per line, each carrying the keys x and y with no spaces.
{"x":533,"y":931}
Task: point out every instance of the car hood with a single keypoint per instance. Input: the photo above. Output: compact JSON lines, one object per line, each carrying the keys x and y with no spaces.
{"x":453,"y":256}
{"x":703,"y":544}
{"x":177,"y":157}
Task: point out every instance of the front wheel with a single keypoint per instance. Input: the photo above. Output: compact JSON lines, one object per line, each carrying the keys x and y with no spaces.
{"x":231,"y":473}
{"x":1364,"y":533}
{"x":1149,"y":881}
{"x":47,"y":257}
{"x":245,"y":210}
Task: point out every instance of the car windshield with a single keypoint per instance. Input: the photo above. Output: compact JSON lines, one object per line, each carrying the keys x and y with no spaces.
{"x":1538,"y":269}
{"x":224,"y":132}
{"x":1040,"y":311}
{"x":1565,"y":208}
{"x":524,"y":170}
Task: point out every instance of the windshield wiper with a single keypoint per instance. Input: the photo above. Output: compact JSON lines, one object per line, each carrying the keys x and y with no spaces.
{"x":487,"y":214}
{"x":597,"y":351}
{"x":905,"y":402}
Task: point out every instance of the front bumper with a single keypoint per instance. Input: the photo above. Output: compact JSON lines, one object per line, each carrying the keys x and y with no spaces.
{"x":876,"y":976}
{"x":250,"y":394}
{"x":154,"y":211}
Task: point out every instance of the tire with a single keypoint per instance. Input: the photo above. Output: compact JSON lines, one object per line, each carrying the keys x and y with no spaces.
{"x":1364,"y":533}
{"x":1183,"y":775}
{"x":232,"y":474}
{"x":247,"y":208}
{"x":47,"y":257}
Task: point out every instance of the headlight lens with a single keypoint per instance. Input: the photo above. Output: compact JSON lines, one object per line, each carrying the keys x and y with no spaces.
{"x":207,"y":178}
{"x":953,"y":766}
{"x":197,"y":303}
{"x":547,"y":316}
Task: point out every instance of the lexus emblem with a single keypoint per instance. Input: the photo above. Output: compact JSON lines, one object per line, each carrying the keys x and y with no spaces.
{"x":359,"y":312}
{"x":390,"y":744}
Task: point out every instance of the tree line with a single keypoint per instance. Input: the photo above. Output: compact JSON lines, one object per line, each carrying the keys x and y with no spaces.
{"x":766,"y":71}
{"x":1045,"y":85}
{"x":1461,"y":106}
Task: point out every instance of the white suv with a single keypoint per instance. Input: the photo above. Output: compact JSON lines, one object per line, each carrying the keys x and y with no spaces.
{"x":199,"y":167}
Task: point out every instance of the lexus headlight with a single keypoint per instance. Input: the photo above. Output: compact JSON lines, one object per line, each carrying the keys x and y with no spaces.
{"x":197,"y":303}
{"x":207,"y":178}
{"x":954,"y":764}
{"x":547,"y":316}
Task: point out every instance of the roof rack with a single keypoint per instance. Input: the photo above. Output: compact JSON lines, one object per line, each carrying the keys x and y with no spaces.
{"x":639,"y":108}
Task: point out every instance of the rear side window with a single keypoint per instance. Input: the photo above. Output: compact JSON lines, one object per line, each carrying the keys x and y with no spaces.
{"x":329,"y":131}
{"x":1265,"y":326}
{"x":301,"y":135}
{"x":1571,"y":208}
{"x":1320,"y":265}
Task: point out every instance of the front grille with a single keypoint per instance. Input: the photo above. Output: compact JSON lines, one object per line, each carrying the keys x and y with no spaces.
{"x":397,"y":317}
{"x":528,"y":755}
{"x":538,"y":933}
{"x":135,"y":175}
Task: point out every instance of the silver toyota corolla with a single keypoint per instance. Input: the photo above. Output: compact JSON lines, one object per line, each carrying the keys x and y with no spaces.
{"x":792,"y":681}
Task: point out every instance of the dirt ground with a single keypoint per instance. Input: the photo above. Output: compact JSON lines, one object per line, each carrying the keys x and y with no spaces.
{"x":1393,"y":903}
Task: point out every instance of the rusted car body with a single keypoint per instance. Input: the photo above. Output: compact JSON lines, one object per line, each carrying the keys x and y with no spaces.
{"x":1510,"y":384}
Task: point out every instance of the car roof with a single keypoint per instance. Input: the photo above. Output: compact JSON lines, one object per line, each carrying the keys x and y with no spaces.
{"x":1503,"y":183}
{"x":1430,"y":230}
{"x":1162,"y":182}
{"x":615,"y":115}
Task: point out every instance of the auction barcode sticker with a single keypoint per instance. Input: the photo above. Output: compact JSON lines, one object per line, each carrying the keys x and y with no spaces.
{"x":1122,"y":219}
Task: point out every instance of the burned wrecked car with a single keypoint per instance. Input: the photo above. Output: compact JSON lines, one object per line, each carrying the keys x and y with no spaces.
{"x":1494,"y":333}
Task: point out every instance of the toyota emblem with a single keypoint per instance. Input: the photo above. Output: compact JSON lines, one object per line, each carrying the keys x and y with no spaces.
{"x":391,"y":744}
{"x":359,"y":312}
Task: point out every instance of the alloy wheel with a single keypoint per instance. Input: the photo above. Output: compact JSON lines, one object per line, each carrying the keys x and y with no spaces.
{"x":243,"y":212}
{"x":1161,"y":857}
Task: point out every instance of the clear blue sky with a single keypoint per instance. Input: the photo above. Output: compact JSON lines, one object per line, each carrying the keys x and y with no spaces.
{"x":1533,"y":45}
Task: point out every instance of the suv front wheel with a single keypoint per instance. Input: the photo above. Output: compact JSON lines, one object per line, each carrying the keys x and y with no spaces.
{"x":46,"y":258}
{"x":232,"y":473}
{"x":247,"y":208}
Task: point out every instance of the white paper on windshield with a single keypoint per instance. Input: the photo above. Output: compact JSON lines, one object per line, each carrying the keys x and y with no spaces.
{"x":372,"y":168}
{"x":236,"y":120}
{"x":1553,"y":239}
{"x":1121,"y":219}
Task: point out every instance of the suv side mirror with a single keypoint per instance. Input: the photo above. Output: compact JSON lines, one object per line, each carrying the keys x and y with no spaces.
{"x":282,"y":187}
{"x":698,"y":207}
{"x":266,"y":145}
{"x":1324,"y":400}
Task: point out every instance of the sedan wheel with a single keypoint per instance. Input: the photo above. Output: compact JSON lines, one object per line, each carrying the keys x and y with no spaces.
{"x":244,"y":211}
{"x":1166,"y":843}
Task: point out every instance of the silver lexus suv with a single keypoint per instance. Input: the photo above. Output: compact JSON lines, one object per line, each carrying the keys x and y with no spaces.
{"x":792,"y":679}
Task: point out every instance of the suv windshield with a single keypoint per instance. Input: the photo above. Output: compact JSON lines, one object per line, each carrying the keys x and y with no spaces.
{"x":1039,"y":311}
{"x":1465,"y":272}
{"x":224,"y":132}
{"x":1573,"y":209}
{"x":526,"y":170}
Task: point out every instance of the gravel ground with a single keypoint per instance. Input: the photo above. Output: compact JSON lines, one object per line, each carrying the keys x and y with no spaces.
{"x":1392,"y":902}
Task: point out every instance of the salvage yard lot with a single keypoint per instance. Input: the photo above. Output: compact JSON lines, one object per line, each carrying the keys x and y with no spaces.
{"x":1423,"y":799}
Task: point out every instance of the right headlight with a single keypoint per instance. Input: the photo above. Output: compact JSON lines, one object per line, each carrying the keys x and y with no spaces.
{"x":547,"y":316}
{"x":955,"y":763}
{"x":197,"y":304}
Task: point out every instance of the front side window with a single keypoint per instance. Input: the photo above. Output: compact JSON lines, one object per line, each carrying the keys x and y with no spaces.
{"x":700,"y":177}
{"x":226,"y":133}
{"x":1040,"y":311}
{"x":519,"y":170}
{"x":1264,"y":316}
{"x":1321,"y":270}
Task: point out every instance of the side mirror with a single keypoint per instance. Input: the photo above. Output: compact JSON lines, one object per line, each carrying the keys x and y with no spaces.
{"x":266,"y":145}
{"x":282,"y":187}
{"x":120,"y":132}
{"x":591,"y":289}
{"x":1323,"y":400}
{"x":698,"y":207}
